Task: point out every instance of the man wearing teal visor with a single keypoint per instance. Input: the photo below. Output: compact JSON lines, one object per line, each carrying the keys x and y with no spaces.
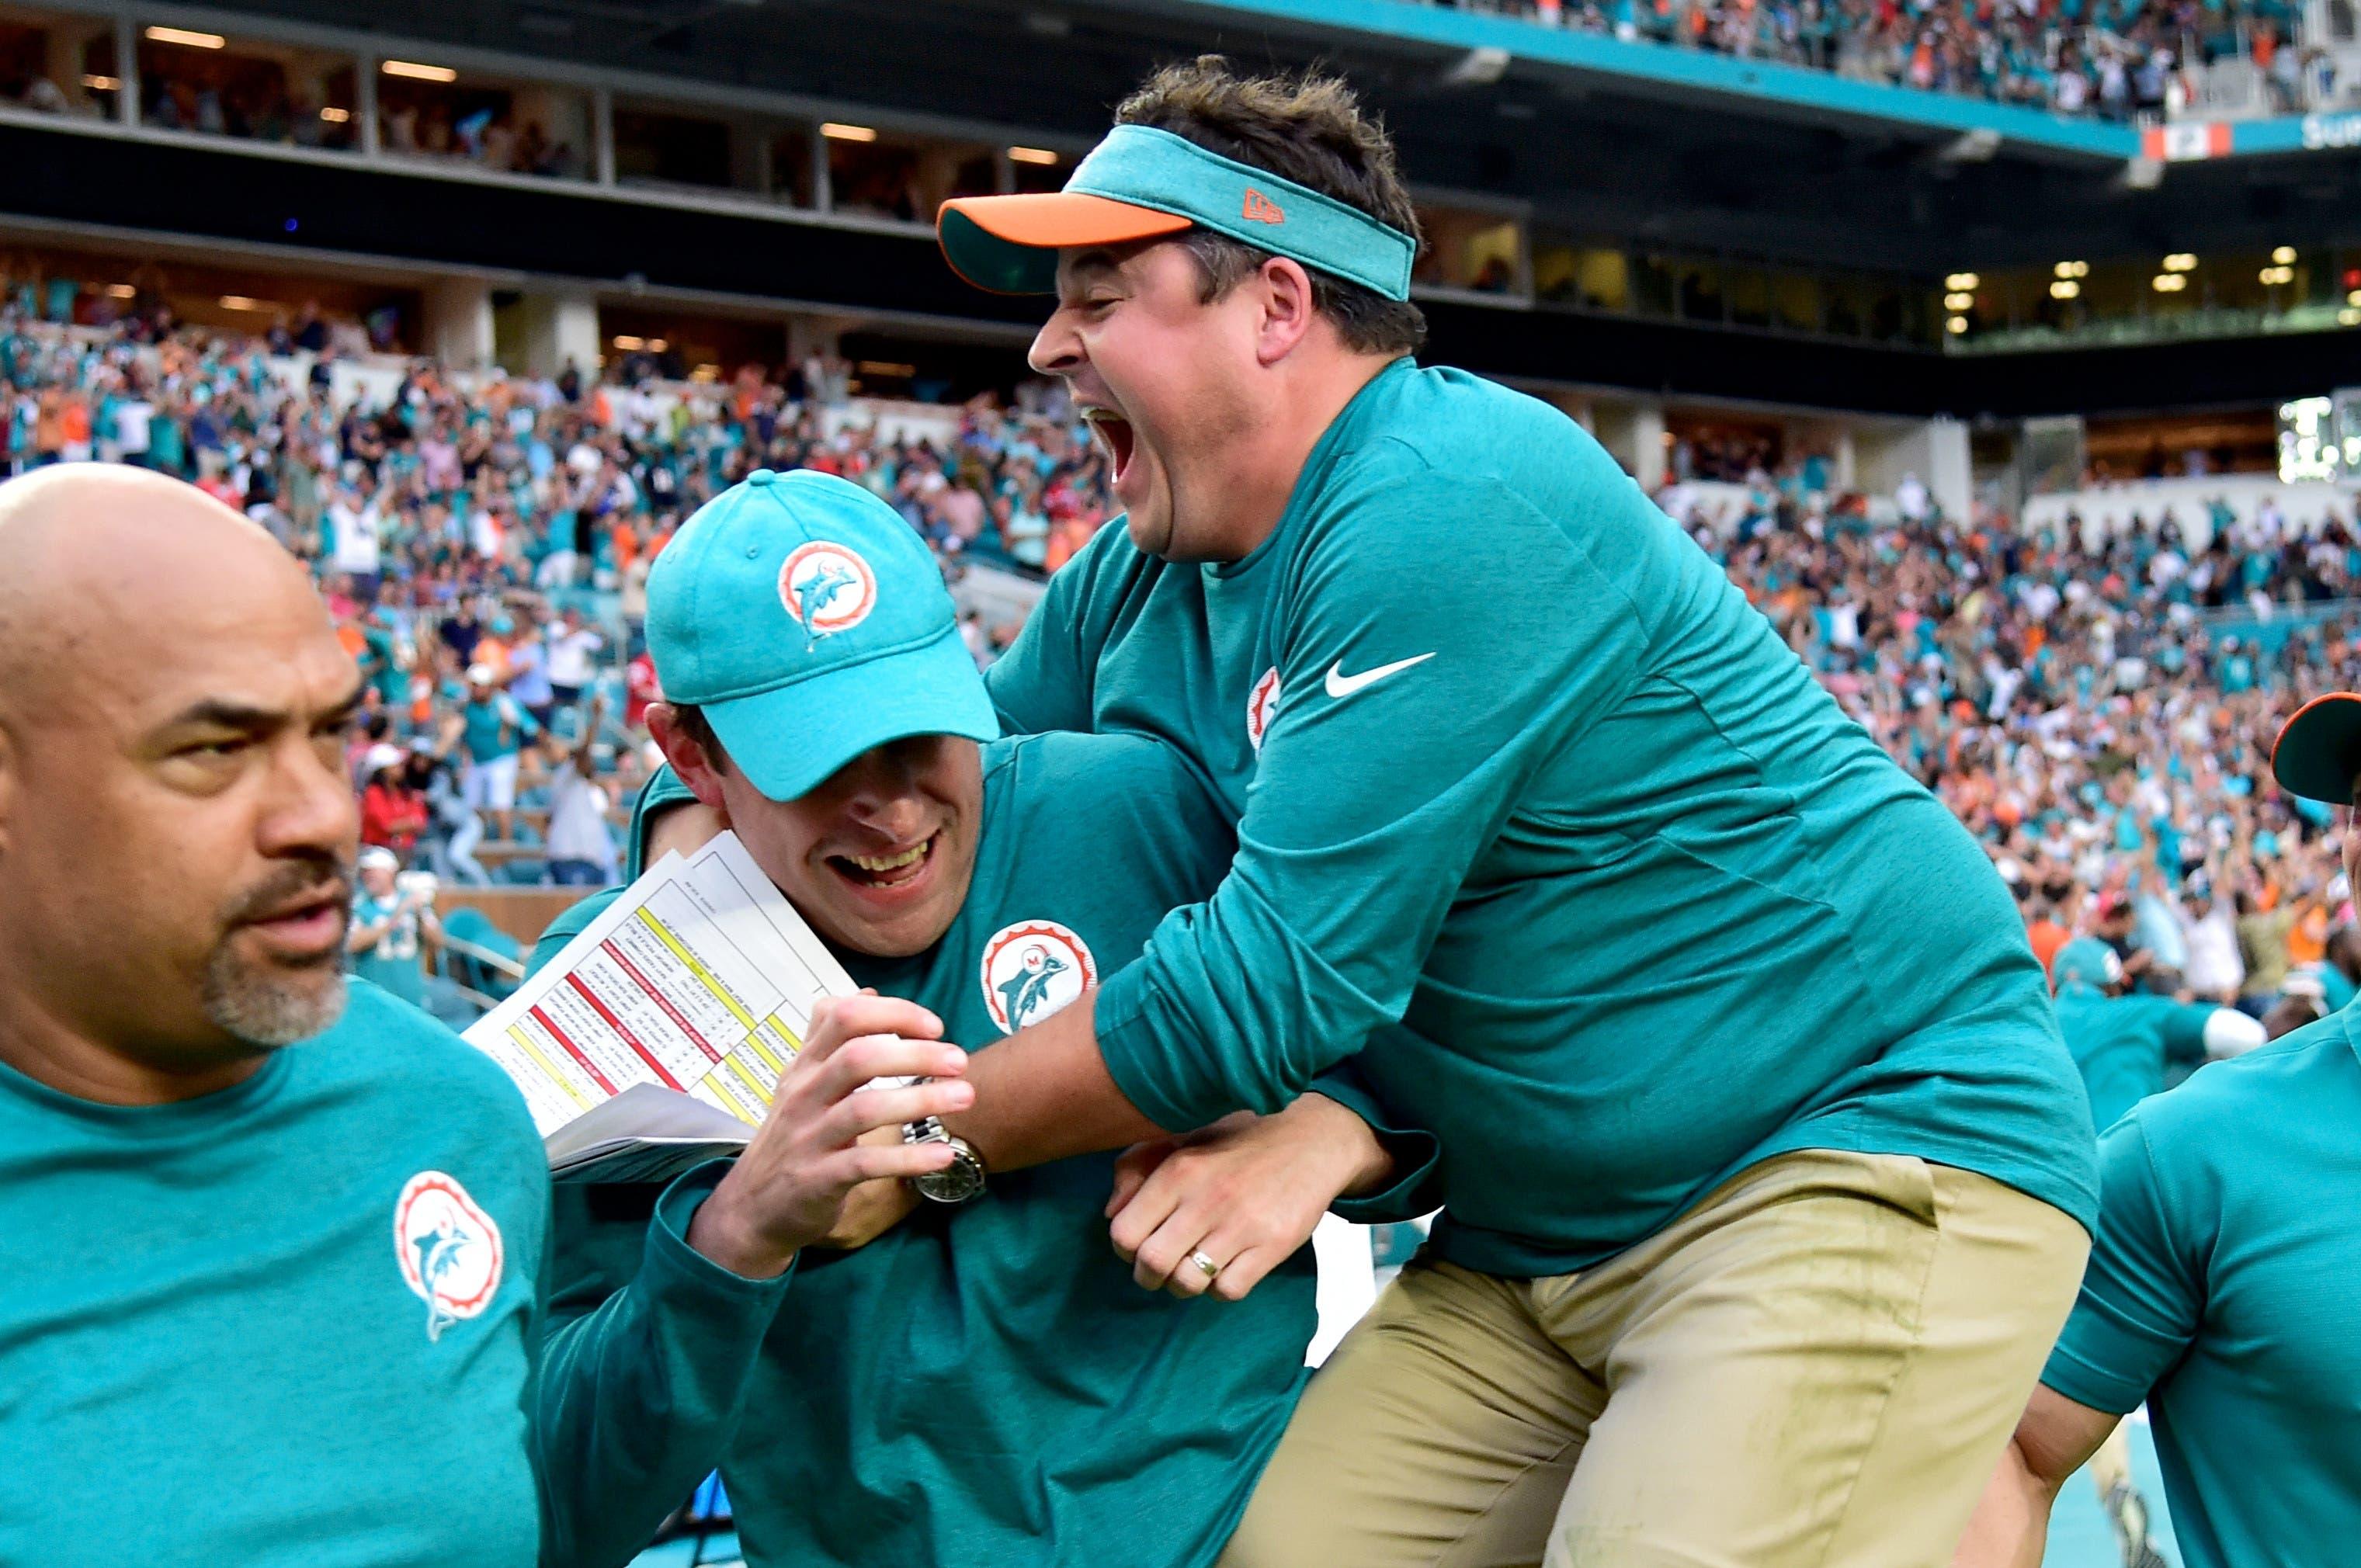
{"x":1541,"y":824}
{"x":984,"y":1385}
{"x":2220,"y":1290}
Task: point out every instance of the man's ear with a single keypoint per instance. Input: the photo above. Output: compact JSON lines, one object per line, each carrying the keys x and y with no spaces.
{"x":688,"y":758}
{"x":1288,"y":311}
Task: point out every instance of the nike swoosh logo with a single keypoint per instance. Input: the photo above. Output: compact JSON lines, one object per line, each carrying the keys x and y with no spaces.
{"x":1342,"y":684}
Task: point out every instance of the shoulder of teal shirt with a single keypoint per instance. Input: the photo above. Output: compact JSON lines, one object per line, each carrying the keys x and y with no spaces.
{"x":1046,"y":679}
{"x":2220,"y":1284}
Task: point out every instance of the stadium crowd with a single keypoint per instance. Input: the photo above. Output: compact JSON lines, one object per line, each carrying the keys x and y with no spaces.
{"x":486,"y":542}
{"x":2114,"y":60}
{"x":2099,"y":712}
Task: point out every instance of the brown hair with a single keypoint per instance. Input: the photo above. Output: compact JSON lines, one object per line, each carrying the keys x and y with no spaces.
{"x":1308,"y":129}
{"x":690,"y":720}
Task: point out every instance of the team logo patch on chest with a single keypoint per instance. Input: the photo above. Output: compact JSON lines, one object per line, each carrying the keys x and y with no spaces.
{"x":449,"y":1248}
{"x":826,"y":587}
{"x":1262,"y":707}
{"x":1031,"y":969}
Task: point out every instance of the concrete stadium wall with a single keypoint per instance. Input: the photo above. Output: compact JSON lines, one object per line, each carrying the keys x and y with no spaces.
{"x":2189,"y":503}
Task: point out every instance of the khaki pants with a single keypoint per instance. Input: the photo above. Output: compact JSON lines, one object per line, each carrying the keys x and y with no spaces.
{"x":1817,"y":1364}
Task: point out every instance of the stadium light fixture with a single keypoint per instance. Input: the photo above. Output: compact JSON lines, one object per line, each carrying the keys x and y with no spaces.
{"x":1961,"y":302}
{"x":417,"y":72}
{"x":335,"y":115}
{"x":1958,"y":324}
{"x":1961,"y":280}
{"x":2354,"y":298}
{"x":120,"y":291}
{"x":657,"y":345}
{"x":243,"y":302}
{"x":2284,"y":255}
{"x":1040,"y":155}
{"x":1479,"y":67}
{"x":2180,"y":261}
{"x":2277,"y":274}
{"x":837,"y":130}
{"x":102,"y":83}
{"x":2064,"y":289}
{"x":2349,"y":317}
{"x":2169,"y":282}
{"x":1977,"y":146}
{"x":627,"y":343}
{"x":184,"y":36}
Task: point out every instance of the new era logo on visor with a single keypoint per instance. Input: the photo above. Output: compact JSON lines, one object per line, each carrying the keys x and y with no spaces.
{"x":1261,"y":209}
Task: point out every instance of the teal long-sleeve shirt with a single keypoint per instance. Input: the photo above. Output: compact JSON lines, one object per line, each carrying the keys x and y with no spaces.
{"x":1539,"y":817}
{"x":987,"y":1386}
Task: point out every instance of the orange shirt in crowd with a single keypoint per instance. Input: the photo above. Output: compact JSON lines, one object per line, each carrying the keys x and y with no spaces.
{"x":2046,"y":937}
{"x":2307,"y":939}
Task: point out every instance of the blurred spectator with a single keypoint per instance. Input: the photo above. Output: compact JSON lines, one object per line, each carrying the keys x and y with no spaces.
{"x":388,"y":919}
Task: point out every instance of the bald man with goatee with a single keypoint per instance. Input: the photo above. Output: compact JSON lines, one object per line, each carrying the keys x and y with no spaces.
{"x":270,"y":1238}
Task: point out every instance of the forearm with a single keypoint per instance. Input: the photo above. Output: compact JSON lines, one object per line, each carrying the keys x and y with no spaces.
{"x":638,"y":1399}
{"x":1044,"y":1093}
{"x":2010,"y":1528}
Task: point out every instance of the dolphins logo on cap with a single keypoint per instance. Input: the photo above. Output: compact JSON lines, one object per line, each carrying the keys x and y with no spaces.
{"x":826,"y":587}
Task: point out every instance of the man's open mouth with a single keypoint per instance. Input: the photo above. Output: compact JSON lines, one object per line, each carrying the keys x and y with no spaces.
{"x":1114,"y":432}
{"x":889,"y":870}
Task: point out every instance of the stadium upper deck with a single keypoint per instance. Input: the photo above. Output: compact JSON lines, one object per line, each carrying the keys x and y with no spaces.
{"x":1600,"y":211}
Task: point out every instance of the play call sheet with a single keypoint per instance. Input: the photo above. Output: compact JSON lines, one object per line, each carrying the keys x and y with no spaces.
{"x":700,"y":979}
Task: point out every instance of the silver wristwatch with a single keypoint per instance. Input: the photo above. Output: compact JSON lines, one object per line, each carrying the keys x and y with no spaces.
{"x":956,"y":1182}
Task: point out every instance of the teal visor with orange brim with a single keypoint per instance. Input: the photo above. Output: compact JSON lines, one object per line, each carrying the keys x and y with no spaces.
{"x":1144,"y":183}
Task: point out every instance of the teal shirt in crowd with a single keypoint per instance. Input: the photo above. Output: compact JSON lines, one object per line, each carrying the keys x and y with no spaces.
{"x":216,"y":1345}
{"x":494,"y":728}
{"x":2222,"y":1290}
{"x":391,"y":962}
{"x":987,"y":1386}
{"x":2123,"y":1044}
{"x":1532,"y":802}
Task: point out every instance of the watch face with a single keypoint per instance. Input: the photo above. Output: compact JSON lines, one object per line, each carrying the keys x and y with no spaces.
{"x":955,"y":1183}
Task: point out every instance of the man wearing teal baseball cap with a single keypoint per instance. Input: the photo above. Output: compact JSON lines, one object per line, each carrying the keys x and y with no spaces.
{"x":2221,"y":1286}
{"x":1541,"y":823}
{"x":984,"y":1385}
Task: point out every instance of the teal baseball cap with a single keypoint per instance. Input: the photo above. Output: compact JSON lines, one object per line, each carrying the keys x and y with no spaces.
{"x":810,"y":623}
{"x":1144,"y":183}
{"x":2086,"y":961}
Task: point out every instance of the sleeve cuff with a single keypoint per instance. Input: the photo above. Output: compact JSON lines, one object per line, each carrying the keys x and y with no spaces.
{"x":1416,"y":1190}
{"x":1136,"y":1059}
{"x":2084,"y":1366}
{"x":678,"y":1273}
